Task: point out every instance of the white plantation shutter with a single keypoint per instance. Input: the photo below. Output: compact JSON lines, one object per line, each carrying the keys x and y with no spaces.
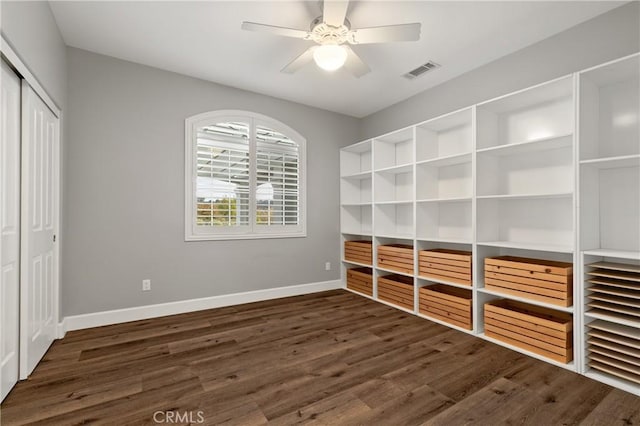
{"x":278,"y":175}
{"x":245,"y":176}
{"x":222,"y":184}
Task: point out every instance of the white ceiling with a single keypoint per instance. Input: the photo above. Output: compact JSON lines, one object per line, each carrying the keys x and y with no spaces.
{"x":204,"y":40}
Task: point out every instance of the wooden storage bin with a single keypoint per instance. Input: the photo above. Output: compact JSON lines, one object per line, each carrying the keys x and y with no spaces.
{"x":360,"y":280}
{"x":396,"y":289}
{"x":540,"y":330}
{"x":542,"y":280}
{"x":396,"y":257}
{"x":446,"y":303}
{"x":358,"y":251}
{"x":447,"y":265}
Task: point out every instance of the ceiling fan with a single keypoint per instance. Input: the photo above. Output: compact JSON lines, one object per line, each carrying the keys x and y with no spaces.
{"x":332,"y":34}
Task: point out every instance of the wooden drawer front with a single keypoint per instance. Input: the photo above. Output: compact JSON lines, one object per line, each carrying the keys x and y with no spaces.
{"x":446,"y":303}
{"x":396,"y":257}
{"x":396,"y":289}
{"x":360,"y":280}
{"x":358,"y":251}
{"x":536,"y":279}
{"x":539,"y":330}
{"x":447,"y":265}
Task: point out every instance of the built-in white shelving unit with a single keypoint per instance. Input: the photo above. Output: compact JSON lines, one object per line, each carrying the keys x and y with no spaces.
{"x":609,"y":188}
{"x":550,"y":172}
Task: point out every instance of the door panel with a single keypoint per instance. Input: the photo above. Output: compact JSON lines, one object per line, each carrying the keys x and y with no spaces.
{"x":39,"y":207}
{"x":9,"y":229}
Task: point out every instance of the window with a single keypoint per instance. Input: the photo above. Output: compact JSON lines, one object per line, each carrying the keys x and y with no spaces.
{"x":245,"y":177}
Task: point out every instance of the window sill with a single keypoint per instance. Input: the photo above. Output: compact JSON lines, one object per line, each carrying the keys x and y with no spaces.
{"x":190,"y":238}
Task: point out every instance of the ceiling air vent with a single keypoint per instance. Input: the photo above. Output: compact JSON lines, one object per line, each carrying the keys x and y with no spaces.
{"x":421,"y":70}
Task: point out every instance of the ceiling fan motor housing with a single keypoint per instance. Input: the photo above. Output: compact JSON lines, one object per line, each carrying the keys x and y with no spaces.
{"x":322,"y":33}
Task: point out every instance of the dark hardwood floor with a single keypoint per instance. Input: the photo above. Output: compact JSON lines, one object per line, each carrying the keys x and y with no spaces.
{"x":326,"y":358}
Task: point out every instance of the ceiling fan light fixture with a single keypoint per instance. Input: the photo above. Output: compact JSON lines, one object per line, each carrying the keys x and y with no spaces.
{"x":330,"y":57}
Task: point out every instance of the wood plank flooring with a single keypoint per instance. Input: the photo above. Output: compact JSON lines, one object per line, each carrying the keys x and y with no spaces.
{"x":326,"y":358}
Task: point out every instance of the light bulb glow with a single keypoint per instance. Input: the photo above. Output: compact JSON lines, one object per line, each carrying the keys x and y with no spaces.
{"x":330,"y":57}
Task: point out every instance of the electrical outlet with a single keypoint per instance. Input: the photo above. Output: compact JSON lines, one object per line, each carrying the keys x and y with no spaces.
{"x":146,"y":285}
{"x":327,"y":266}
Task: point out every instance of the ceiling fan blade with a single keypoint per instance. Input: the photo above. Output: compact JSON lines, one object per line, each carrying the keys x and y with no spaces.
{"x":334,"y":12}
{"x":300,"y":61}
{"x":281,"y":31}
{"x":354,"y":64}
{"x":402,"y":32}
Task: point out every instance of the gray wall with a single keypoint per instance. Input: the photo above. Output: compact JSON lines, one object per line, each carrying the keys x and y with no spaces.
{"x":123,"y":195}
{"x":125,"y":191}
{"x":30,"y":28}
{"x":606,"y":37}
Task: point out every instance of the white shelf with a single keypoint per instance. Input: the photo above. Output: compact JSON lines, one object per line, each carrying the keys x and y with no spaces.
{"x":621,"y":254}
{"x":528,"y":246}
{"x":526,"y":300}
{"x":570,"y":366}
{"x":542,"y":144}
{"x":356,"y":232}
{"x":437,"y":321}
{"x":525,"y":196}
{"x":351,"y":262}
{"x":383,"y":203}
{"x":439,"y":281}
{"x":448,"y":160}
{"x":402,"y":168}
{"x":356,"y":204}
{"x":444,"y":200}
{"x":613,"y":162}
{"x":393,"y":272}
{"x":395,"y":236}
{"x":615,"y":319}
{"x":446,"y":240}
{"x":358,"y":176}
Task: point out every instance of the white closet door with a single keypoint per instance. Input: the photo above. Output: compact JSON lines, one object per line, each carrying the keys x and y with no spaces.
{"x":39,"y":219}
{"x":9,"y":229}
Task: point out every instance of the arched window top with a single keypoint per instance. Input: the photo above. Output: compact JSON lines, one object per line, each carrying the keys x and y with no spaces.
{"x":245,"y":177}
{"x":243,"y":116}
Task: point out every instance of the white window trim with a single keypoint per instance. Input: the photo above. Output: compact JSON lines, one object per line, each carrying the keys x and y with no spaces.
{"x":195,"y":233}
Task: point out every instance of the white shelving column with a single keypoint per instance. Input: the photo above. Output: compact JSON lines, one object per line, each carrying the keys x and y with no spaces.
{"x":609,"y":215}
{"x":356,"y":198}
{"x":444,"y":192}
{"x":524,"y":186}
{"x":393,"y":176}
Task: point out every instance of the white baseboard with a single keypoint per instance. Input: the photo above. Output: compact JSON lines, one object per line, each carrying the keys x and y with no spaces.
{"x":98,"y":319}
